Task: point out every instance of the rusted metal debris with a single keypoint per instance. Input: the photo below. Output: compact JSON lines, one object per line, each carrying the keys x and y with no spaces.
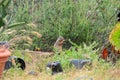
{"x":109,"y":53}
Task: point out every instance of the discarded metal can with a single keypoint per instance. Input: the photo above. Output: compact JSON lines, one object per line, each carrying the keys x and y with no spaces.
{"x":55,"y":67}
{"x":8,"y":65}
{"x":79,"y":63}
{"x":14,"y":61}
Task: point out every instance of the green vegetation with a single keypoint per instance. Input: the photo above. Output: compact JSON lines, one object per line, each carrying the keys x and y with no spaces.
{"x":85,"y":25}
{"x":85,"y":21}
{"x":96,"y":71}
{"x":115,"y":36}
{"x":4,"y":23}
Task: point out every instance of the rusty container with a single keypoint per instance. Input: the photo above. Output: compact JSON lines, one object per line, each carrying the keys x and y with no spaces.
{"x":4,"y":54}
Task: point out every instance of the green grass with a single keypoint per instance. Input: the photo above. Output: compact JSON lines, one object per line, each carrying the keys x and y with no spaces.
{"x":89,"y":21}
{"x":85,"y":25}
{"x":100,"y":70}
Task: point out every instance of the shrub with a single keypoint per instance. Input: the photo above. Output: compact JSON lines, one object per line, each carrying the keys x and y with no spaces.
{"x":78,"y":20}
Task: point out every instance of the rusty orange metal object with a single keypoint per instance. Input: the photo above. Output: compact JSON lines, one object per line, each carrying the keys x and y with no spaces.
{"x":104,"y":53}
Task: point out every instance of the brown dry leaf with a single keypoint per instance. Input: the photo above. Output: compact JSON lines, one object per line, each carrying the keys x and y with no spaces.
{"x":36,"y":34}
{"x":11,"y":31}
{"x":21,"y":38}
{"x":32,"y":25}
{"x":23,"y":30}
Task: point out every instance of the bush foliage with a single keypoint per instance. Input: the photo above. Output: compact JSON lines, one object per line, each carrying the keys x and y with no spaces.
{"x":77,"y":20}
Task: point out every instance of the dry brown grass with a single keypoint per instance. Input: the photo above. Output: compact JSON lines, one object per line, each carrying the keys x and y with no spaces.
{"x":97,"y":72}
{"x":71,"y":75}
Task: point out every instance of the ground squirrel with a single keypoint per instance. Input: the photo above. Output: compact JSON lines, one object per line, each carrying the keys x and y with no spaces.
{"x":59,"y":43}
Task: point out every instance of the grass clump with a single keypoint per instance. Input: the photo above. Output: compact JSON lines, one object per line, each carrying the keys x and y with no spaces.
{"x":97,"y":70}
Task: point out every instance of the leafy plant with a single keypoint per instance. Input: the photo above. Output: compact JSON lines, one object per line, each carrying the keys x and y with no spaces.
{"x":77,"y":52}
{"x":4,"y":23}
{"x":114,"y":37}
{"x":9,"y":31}
{"x":88,"y":22}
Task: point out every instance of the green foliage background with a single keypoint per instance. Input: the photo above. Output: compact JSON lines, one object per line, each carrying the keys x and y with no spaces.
{"x":114,"y":37}
{"x":77,"y":20}
{"x":85,"y":25}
